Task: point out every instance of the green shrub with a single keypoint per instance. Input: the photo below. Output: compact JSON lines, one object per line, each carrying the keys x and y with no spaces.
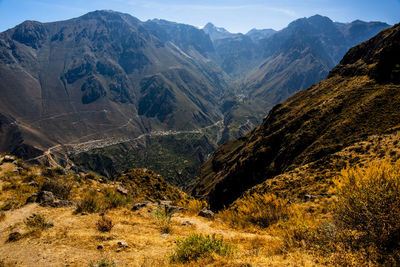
{"x":114,"y":200}
{"x":90,"y":203}
{"x":198,"y":246}
{"x":163,"y":219}
{"x":369,"y":202}
{"x":37,"y":222}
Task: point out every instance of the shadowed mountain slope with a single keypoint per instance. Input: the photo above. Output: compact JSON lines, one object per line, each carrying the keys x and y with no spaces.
{"x":360,"y":98}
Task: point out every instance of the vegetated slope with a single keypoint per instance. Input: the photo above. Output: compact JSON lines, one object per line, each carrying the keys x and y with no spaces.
{"x":360,"y":98}
{"x":103,"y":75}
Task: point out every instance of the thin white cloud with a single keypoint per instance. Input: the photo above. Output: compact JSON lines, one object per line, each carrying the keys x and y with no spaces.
{"x":207,"y":7}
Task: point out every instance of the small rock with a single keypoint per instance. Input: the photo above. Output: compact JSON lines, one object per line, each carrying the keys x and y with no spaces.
{"x":33,"y":183}
{"x":140,"y":205}
{"x":32,"y":198}
{"x":309,"y":197}
{"x":122,"y":244}
{"x":100,"y":246}
{"x":164,"y":235}
{"x":8,"y":158}
{"x":50,"y":224}
{"x":14,"y":236}
{"x":122,"y":190}
{"x":118,"y":250}
{"x":166,"y":202}
{"x":206,"y":213}
{"x":98,"y":190}
{"x":117,"y":262}
{"x":187,"y":223}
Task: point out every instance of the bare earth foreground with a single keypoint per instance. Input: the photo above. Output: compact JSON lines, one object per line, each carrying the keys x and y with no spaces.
{"x":74,"y":239}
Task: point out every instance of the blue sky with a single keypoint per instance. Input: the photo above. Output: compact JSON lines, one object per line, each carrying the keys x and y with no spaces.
{"x":234,"y":15}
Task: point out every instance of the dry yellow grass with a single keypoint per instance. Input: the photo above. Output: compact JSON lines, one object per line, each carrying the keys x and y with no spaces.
{"x":74,"y":239}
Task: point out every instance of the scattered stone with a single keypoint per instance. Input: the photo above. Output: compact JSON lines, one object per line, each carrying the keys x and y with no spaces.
{"x":139,"y":205}
{"x":50,"y":224}
{"x":117,"y":262}
{"x":32,"y":198}
{"x":206,"y":213}
{"x":14,"y":236}
{"x":166,"y":202}
{"x":98,"y":190}
{"x":187,"y":223}
{"x":122,"y":244}
{"x":118,"y":250}
{"x":8,"y":158}
{"x":122,"y":190}
{"x":100,"y":246}
{"x":33,"y":183}
{"x":164,"y":235}
{"x":309,"y":198}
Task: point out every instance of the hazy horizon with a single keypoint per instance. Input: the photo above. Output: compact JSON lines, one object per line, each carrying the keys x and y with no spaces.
{"x":223,"y":13}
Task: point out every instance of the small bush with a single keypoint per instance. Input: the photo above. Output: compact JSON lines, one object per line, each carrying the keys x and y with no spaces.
{"x":38,"y":222}
{"x":256,"y":209}
{"x":198,"y":246}
{"x":163,"y":219}
{"x":369,"y":203}
{"x":58,"y":187}
{"x":114,"y":200}
{"x":53,"y":172}
{"x":90,"y":203}
{"x":193,"y":206}
{"x":104,"y":224}
{"x":2,"y":216}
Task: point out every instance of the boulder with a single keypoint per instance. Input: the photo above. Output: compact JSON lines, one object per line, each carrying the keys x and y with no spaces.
{"x":9,"y":158}
{"x":33,"y":183}
{"x":47,"y":199}
{"x":206,"y":213}
{"x":122,"y":244}
{"x":122,"y":190}
{"x":187,"y":223}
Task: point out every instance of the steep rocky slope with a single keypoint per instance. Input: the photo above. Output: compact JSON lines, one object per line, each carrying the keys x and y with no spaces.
{"x":360,"y":98}
{"x":102,"y":75}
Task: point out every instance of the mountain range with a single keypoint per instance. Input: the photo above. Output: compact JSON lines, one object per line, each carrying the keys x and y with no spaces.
{"x":107,"y":80}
